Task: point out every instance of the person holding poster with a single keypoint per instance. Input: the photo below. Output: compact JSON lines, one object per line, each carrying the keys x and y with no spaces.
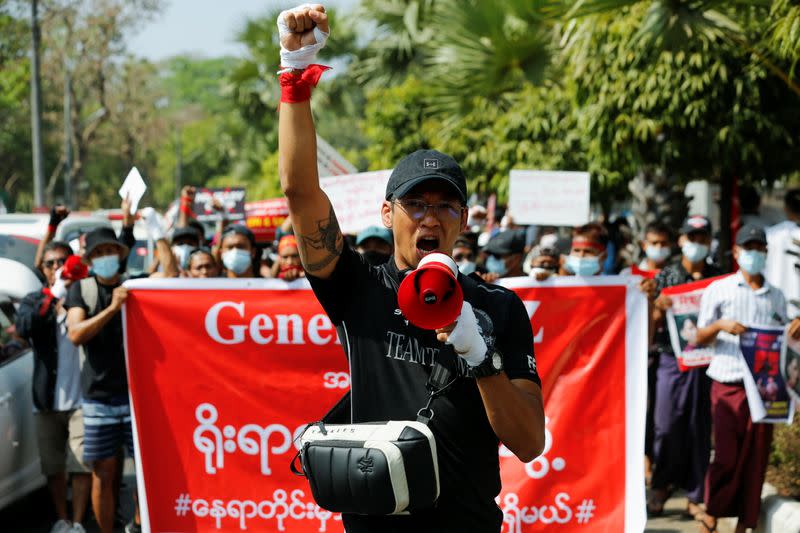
{"x":728,"y":308}
{"x":390,"y":359}
{"x":588,"y":251}
{"x":682,"y":412}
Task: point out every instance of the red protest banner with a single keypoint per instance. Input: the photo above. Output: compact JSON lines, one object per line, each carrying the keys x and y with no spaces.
{"x":264,"y":217}
{"x":224,"y":375}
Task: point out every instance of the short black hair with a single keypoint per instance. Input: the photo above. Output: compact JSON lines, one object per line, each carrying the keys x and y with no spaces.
{"x":749,"y":199}
{"x":658,"y":227}
{"x":57,"y":245}
{"x":791,"y":201}
{"x":593,"y":231}
{"x":239,"y":230}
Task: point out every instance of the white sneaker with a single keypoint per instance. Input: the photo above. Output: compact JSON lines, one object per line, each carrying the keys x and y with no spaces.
{"x":62,"y":526}
{"x":77,"y":528}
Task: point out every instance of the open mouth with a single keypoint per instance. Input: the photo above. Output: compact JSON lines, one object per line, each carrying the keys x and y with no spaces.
{"x":426,"y":245}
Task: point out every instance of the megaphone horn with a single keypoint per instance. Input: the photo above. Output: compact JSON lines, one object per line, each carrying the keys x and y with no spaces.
{"x":430,"y":297}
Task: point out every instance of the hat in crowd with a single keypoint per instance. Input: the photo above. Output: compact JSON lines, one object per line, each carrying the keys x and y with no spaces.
{"x":424,"y":165}
{"x":240,"y":230}
{"x":751,"y":233}
{"x":695,"y":223}
{"x":100,"y":236}
{"x":506,"y":242}
{"x":375,"y":232}
{"x":185,"y":233}
{"x":286,"y":242}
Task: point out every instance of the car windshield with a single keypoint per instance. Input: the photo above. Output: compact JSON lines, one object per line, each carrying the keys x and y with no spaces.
{"x":18,"y":248}
{"x":11,"y":344}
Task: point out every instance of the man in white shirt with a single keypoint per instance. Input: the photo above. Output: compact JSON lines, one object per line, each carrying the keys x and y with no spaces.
{"x":783,"y":262}
{"x":728,"y":307}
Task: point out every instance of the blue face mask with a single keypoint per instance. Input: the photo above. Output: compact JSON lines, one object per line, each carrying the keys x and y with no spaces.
{"x":496,"y":265}
{"x":237,"y":260}
{"x":583,"y":266}
{"x":694,"y":252}
{"x":657,"y":254}
{"x":752,"y":261}
{"x":106,"y":266}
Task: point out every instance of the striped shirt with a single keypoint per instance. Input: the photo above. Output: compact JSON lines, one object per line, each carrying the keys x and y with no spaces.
{"x":732,"y":298}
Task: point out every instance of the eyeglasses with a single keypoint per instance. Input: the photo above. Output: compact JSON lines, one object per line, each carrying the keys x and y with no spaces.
{"x":416,"y":209}
{"x":50,"y":263}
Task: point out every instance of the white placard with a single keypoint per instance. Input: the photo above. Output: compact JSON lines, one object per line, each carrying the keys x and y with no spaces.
{"x":133,"y":188}
{"x":330,"y":162}
{"x":357,"y":198}
{"x":549,"y":197}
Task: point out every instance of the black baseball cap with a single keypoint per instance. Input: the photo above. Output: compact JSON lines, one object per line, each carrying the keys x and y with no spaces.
{"x":186,"y":233}
{"x":424,"y":165}
{"x":751,"y":233}
{"x":506,"y":242}
{"x":100,"y":236}
{"x":696,"y":223}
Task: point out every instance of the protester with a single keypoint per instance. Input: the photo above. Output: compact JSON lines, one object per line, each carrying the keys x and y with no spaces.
{"x":425,"y":208}
{"x":289,"y":266}
{"x":41,"y":319}
{"x":783,"y":261}
{"x":375,"y":244}
{"x":657,"y":248}
{"x":182,"y":243}
{"x":588,"y":251}
{"x":504,"y":254}
{"x":94,"y":321}
{"x":464,"y":254}
{"x":750,"y":205}
{"x":57,"y":214}
{"x":202,"y":264}
{"x":238,"y":251}
{"x":682,"y":408}
{"x":545,"y":263}
{"x":741,"y":448}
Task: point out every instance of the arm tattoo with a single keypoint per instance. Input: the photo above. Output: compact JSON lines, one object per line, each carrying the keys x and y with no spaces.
{"x":327,"y":238}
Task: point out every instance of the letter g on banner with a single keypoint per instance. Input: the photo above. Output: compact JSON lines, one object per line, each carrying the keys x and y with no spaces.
{"x":212,"y":323}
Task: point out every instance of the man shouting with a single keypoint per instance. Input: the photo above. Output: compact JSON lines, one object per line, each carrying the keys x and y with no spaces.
{"x":496,"y":399}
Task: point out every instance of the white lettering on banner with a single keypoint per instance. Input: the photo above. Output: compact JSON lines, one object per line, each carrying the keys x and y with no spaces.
{"x":539,"y":467}
{"x":290,"y":328}
{"x":336,"y":380}
{"x":515,"y":517}
{"x":250,"y":439}
{"x":531,"y":306}
{"x":281,"y":508}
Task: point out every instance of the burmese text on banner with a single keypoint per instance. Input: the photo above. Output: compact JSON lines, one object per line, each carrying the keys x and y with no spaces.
{"x":224,"y":375}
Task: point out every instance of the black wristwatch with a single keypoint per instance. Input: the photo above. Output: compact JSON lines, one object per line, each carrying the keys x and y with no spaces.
{"x":491,"y":366}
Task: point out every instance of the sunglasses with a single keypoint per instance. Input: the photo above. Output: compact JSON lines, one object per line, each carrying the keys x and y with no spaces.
{"x":416,"y":209}
{"x":50,"y":263}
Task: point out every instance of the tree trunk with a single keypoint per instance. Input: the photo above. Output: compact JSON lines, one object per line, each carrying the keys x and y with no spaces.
{"x":725,"y":218}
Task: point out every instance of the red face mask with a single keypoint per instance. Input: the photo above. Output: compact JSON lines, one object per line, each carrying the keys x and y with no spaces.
{"x":285,"y":270}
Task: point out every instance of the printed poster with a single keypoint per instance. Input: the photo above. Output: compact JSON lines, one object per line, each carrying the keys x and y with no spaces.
{"x":767,"y":395}
{"x":790,"y":366}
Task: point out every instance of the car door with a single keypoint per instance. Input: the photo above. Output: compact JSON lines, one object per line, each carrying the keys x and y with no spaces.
{"x":19,"y":456}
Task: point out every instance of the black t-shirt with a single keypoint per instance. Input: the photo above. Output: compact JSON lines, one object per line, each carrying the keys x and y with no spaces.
{"x":390,"y":362}
{"x":103,"y":375}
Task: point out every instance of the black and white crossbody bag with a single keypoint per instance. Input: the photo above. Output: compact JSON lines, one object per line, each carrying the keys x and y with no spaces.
{"x":376,"y":468}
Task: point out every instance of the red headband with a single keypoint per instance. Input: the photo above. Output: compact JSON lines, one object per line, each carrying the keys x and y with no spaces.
{"x":286,"y":241}
{"x":589,"y":244}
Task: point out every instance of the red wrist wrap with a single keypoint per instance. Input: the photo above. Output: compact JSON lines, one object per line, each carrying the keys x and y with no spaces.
{"x":52,"y":228}
{"x":296,"y":88}
{"x":186,"y":209}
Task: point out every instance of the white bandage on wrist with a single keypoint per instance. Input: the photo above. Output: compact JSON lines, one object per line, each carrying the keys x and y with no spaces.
{"x":59,"y":288}
{"x":305,"y":56}
{"x":466,"y":338}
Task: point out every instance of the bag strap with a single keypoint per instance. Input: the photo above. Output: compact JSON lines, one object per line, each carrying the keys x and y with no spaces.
{"x":89,"y":293}
{"x":440,"y":381}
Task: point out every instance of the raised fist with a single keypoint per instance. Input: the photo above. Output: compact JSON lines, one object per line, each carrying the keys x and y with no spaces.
{"x":296,"y":26}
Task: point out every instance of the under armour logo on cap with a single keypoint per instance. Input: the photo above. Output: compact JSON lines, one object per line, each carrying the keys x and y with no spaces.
{"x":697,"y":222}
{"x":431,"y":163}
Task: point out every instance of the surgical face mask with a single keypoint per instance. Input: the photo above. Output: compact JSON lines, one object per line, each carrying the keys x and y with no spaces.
{"x":694,"y":252}
{"x":107,"y":266}
{"x":496,"y":265}
{"x":657,"y":254}
{"x":466,"y":267}
{"x":583,"y":266}
{"x":182,"y":252}
{"x":237,"y":260}
{"x":752,"y":261}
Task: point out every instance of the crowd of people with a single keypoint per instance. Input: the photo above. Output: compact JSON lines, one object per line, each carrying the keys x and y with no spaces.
{"x":80,"y":385}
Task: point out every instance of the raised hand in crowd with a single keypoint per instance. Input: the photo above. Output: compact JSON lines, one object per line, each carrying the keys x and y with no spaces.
{"x":128,"y":218}
{"x":57,"y":215}
{"x":185,"y":207}
{"x":300,"y":25}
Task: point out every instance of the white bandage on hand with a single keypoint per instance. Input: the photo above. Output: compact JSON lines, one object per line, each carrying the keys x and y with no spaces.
{"x":59,"y":288}
{"x":466,"y":339}
{"x":152,"y":224}
{"x":307,"y":55}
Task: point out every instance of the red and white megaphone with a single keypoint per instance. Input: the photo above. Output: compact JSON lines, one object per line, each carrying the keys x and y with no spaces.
{"x":430,"y":297}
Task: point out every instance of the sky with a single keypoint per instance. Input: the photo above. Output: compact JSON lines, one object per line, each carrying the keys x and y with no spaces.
{"x":204,"y":27}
